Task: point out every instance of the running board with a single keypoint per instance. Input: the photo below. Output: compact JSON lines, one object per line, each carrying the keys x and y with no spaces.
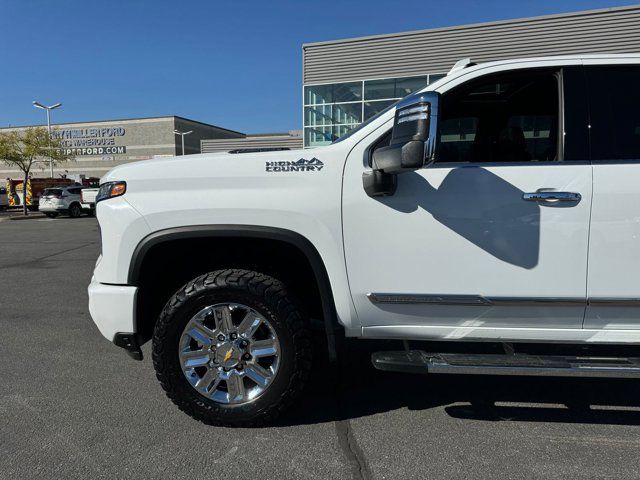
{"x":418,"y":361}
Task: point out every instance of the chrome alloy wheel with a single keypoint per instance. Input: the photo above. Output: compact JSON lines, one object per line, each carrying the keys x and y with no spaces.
{"x":229,"y":353}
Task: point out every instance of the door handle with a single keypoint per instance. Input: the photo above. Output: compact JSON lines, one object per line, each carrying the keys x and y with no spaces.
{"x":551,"y":197}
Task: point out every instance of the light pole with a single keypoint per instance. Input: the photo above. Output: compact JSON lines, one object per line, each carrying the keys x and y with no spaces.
{"x":182,"y":134}
{"x":48,"y":109}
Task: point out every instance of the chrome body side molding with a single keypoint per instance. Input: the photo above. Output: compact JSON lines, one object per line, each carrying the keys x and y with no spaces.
{"x":411,"y":298}
{"x":478,"y":300}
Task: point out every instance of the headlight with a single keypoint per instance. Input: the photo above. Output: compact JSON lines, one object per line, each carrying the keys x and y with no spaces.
{"x":110,"y":190}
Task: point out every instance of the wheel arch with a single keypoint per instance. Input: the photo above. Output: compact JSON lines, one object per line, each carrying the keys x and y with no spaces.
{"x":247,"y":232}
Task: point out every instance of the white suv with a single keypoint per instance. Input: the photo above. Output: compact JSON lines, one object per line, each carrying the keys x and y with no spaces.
{"x":61,"y":200}
{"x":465,"y":214}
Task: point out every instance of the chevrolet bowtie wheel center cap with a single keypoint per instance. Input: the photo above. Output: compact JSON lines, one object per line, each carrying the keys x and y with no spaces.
{"x":228,"y":355}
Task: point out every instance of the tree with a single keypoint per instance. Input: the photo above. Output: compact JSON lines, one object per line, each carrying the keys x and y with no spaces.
{"x":32,"y":145}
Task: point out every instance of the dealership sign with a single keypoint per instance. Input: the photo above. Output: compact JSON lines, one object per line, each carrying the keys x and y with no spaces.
{"x":91,"y":141}
{"x":116,"y":149}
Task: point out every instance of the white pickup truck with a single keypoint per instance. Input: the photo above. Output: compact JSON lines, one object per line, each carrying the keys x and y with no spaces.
{"x":88,"y":199}
{"x":497,"y":211}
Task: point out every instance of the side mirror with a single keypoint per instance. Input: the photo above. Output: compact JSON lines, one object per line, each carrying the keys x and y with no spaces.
{"x":412,"y":145}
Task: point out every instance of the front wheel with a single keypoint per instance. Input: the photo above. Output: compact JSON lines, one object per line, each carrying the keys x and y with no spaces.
{"x":231,"y":348}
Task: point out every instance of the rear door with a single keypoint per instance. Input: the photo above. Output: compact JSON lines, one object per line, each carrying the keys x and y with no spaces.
{"x":614,"y":247}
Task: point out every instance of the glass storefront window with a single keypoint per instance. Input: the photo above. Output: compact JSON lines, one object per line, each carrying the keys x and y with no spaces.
{"x":347,"y":92}
{"x":318,"y":115}
{"x":406,"y":86}
{"x":332,"y":110}
{"x":393,"y":87}
{"x":316,"y":136}
{"x":435,"y":78}
{"x":333,"y":93}
{"x":316,"y":94}
{"x":373,"y":108}
{"x":338,"y":113}
{"x":340,"y":130}
{"x":347,"y":112}
{"x":379,"y":89}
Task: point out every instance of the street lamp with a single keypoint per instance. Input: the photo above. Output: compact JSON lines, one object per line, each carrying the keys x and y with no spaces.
{"x":48,"y":109}
{"x":182,"y":134}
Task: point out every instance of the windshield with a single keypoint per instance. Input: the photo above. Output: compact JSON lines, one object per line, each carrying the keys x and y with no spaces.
{"x":51,"y":192}
{"x":362,"y":125}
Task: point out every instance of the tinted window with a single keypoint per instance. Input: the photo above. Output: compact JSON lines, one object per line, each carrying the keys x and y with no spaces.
{"x":614,"y":94}
{"x":48,"y":192}
{"x":509,"y":117}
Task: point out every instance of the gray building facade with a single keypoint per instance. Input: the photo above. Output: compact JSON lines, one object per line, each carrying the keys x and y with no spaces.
{"x":100,"y":146}
{"x":345,"y":82}
{"x":291,"y":140}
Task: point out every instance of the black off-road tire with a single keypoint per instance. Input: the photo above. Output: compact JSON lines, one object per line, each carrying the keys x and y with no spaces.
{"x":267,"y":296}
{"x":75,"y":210}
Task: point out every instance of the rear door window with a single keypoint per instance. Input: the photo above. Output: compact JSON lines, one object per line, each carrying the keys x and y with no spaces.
{"x":614,"y":93}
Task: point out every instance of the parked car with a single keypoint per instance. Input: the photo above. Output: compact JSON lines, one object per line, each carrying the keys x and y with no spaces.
{"x":465,"y":214}
{"x":63,"y":200}
{"x":88,"y":199}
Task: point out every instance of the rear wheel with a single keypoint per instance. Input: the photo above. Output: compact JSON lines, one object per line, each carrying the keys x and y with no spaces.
{"x":75,"y":210}
{"x":231,"y":348}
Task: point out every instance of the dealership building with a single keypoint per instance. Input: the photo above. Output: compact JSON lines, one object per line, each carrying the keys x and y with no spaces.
{"x":348,"y":81}
{"x":100,"y":146}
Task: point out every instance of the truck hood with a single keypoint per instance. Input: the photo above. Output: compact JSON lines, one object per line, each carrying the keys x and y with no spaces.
{"x":210,"y":165}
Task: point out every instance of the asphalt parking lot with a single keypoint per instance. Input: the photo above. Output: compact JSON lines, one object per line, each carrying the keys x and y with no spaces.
{"x":74,"y":406}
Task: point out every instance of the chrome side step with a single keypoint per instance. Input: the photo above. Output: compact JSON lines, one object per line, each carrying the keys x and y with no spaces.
{"x":418,"y":361}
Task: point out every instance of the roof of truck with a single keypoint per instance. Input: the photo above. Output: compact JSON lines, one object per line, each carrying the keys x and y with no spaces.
{"x":548,"y":59}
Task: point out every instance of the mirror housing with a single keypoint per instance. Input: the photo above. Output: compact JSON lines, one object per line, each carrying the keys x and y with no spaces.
{"x":412,"y":145}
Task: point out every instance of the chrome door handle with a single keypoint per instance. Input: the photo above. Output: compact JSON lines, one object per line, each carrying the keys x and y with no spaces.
{"x":551,"y":197}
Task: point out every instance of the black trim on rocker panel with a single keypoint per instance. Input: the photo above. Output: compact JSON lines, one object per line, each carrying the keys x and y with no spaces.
{"x":250,"y":231}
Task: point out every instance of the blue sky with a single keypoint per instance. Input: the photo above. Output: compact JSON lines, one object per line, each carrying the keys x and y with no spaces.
{"x":236,"y":64}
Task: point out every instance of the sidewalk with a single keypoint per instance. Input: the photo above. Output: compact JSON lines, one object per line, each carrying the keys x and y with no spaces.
{"x":18,"y":215}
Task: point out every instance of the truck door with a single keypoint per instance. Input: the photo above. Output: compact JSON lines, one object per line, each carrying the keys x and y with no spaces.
{"x":479,"y":241}
{"x":613,"y":285}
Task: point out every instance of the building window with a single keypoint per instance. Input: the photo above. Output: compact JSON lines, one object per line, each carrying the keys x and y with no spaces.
{"x":331,"y":110}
